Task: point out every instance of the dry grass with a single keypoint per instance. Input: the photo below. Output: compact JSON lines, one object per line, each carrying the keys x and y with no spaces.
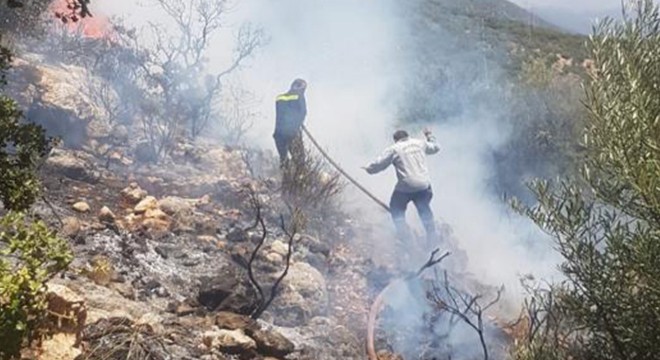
{"x":120,"y":339}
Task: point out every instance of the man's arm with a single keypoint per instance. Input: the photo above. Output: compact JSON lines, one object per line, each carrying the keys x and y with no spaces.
{"x":383,"y":161}
{"x":431,"y":146}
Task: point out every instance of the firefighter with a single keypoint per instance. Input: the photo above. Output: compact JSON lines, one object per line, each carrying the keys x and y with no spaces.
{"x":408,"y":156}
{"x":290,"y":112}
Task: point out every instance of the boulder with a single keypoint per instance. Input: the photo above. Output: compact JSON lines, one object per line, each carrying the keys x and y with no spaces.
{"x":231,"y":321}
{"x":315,"y":245}
{"x":156,"y":228}
{"x":291,"y":309}
{"x":59,"y":347}
{"x":155,"y":214}
{"x":229,"y":341}
{"x":81,"y":207}
{"x":227,"y":292}
{"x":67,"y":312}
{"x":303,"y":295}
{"x":274,"y":258}
{"x":271,"y":343}
{"x":119,"y":134}
{"x":106,"y":215}
{"x":71,"y":227}
{"x":148,"y":203}
{"x":133,"y":193}
{"x":67,"y":163}
{"x":280,"y":247}
{"x":175,"y":206}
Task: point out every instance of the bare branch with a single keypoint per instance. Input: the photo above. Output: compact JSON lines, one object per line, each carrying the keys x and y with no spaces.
{"x":264,"y":233}
{"x":463,"y":306}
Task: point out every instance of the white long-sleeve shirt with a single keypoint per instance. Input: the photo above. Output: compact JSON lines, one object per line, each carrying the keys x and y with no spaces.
{"x":409,"y":159}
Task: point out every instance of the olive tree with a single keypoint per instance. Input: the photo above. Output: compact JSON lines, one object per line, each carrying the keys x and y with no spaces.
{"x":606,"y":222}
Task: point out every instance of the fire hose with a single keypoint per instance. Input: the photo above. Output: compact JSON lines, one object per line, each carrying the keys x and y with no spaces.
{"x":343,"y":172}
{"x":377,"y":305}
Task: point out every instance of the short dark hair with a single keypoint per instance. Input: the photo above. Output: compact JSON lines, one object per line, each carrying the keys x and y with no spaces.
{"x":400,"y":134}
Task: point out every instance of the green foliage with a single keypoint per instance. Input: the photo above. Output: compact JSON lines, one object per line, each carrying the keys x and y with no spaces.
{"x":606,"y":224}
{"x":624,"y":102}
{"x":30,"y":255}
{"x":21,"y":146}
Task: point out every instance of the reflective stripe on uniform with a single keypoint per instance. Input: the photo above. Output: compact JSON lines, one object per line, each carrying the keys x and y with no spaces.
{"x":287,"y":97}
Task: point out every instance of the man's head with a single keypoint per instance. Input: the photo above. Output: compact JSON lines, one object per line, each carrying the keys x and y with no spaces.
{"x":298,"y":86}
{"x":400,"y":135}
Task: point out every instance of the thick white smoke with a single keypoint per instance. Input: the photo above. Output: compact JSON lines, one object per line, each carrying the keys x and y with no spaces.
{"x":351,"y":54}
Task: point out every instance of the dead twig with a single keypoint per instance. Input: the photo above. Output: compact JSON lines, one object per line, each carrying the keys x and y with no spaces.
{"x":52,"y":209}
{"x":274,"y":289}
{"x":463,"y":307}
{"x":263,"y":302}
{"x":264,"y":233}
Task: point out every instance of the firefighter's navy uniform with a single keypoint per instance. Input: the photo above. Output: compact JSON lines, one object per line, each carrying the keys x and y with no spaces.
{"x":290,"y":112}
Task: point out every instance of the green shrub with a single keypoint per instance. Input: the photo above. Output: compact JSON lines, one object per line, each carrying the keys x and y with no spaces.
{"x":21,"y":146}
{"x":606,"y":223}
{"x":30,"y":255}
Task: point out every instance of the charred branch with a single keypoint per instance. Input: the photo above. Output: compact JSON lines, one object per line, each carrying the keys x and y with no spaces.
{"x":462,"y":306}
{"x":265,"y":303}
{"x":264,"y":300}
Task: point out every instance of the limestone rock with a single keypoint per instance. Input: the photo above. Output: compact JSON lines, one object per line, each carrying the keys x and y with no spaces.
{"x":81,"y":207}
{"x":315,"y":245}
{"x":229,"y":341}
{"x":303,"y":295}
{"x":156,"y":227}
{"x":59,"y":347}
{"x":291,"y":309}
{"x":148,"y":203}
{"x":271,"y":343}
{"x":106,"y":215}
{"x":229,"y":292}
{"x":133,"y":193}
{"x":72,"y":166}
{"x":71,"y":227}
{"x":174,"y":206}
{"x":155,"y":213}
{"x":67,"y":311}
{"x":274,"y":258}
{"x":231,"y":321}
{"x":120,"y":134}
{"x":280,"y":247}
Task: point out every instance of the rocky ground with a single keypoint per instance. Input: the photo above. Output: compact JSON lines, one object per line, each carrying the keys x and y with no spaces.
{"x":162,"y":248}
{"x":161,"y":252}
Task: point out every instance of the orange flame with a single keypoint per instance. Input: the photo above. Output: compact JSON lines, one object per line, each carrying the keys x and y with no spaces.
{"x":97,"y":26}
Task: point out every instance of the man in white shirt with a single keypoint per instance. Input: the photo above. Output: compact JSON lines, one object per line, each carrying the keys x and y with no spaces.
{"x":408,"y":156}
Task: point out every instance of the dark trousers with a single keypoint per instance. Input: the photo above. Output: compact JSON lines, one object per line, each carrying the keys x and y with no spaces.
{"x":288,"y":144}
{"x":422,"y":200}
